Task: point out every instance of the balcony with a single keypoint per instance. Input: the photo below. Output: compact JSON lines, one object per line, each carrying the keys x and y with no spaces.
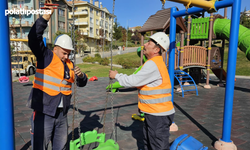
{"x":18,"y":8}
{"x":79,"y":13}
{"x":24,"y":24}
{"x":79,"y":22}
{"x":84,"y":33}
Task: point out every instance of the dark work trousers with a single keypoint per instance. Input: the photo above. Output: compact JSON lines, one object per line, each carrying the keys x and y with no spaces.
{"x":156,"y":132}
{"x":46,"y":128}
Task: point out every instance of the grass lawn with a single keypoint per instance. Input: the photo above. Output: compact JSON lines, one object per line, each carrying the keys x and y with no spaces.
{"x":242,"y":65}
{"x":129,"y":56}
{"x":101,"y":71}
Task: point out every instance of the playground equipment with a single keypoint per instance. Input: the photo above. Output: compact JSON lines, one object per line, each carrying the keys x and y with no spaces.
{"x":45,"y":4}
{"x":232,"y":55}
{"x":186,"y":142}
{"x":92,"y":136}
{"x":181,"y":77}
{"x":94,"y":78}
{"x":6,"y":105}
{"x":222,"y":29}
{"x":138,"y":117}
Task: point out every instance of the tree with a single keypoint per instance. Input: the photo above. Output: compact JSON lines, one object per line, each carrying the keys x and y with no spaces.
{"x":136,"y":37}
{"x":124,"y":35}
{"x":244,"y":19}
{"x":117,"y":30}
{"x":129,"y":35}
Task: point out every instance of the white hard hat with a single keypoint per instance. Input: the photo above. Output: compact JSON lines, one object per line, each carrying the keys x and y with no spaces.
{"x":64,"y":41}
{"x":161,"y":39}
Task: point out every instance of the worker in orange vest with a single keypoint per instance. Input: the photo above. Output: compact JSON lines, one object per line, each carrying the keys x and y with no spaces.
{"x":154,"y":93}
{"x":52,"y":87}
{"x":123,"y":47}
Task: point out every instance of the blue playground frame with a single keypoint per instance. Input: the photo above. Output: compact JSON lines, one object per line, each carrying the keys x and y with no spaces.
{"x":232,"y":56}
{"x":6,"y":102}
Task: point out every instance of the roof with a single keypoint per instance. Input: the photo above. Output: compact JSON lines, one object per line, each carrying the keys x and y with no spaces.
{"x":160,"y":22}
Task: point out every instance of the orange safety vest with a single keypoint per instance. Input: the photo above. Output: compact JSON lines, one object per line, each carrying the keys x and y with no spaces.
{"x":51,"y":79}
{"x":157,"y":99}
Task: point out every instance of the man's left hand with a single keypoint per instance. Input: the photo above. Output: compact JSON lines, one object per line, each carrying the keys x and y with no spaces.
{"x":112,"y":74}
{"x":78,"y":72}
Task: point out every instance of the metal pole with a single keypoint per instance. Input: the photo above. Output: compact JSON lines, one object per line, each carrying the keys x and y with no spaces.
{"x":7,"y":140}
{"x":209,"y":49}
{"x":231,"y":67}
{"x":172,"y":50}
{"x":142,"y":43}
{"x":188,"y":30}
{"x":127,"y":35}
{"x":194,"y":10}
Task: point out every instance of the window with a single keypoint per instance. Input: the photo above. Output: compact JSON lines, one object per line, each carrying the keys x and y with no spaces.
{"x":61,"y":24}
{"x":102,"y":14}
{"x":61,"y":12}
{"x":25,"y":58}
{"x":91,"y":30}
{"x":106,"y":24}
{"x":20,"y":3}
{"x":97,"y":32}
{"x":76,"y":9}
{"x":45,"y":34}
{"x":97,"y":22}
{"x":110,"y":18}
{"x":91,"y":10}
{"x":97,"y":12}
{"x":91,"y":20}
{"x":101,"y":23}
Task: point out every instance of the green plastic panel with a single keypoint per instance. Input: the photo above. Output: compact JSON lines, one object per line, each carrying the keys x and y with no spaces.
{"x":199,"y":28}
{"x":222,"y":30}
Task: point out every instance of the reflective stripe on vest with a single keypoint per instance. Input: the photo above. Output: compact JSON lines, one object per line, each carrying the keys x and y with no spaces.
{"x":53,"y":80}
{"x":153,"y":92}
{"x":155,"y":101}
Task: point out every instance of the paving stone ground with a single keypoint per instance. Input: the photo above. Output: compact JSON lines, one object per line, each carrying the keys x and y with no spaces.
{"x":199,"y":116}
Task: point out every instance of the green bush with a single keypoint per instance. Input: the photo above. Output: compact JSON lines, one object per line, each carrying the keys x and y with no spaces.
{"x":104,"y":61}
{"x":121,"y":61}
{"x":128,"y":64}
{"x":98,"y":55}
{"x":114,"y":46}
{"x":97,"y":59}
{"x":88,"y":59}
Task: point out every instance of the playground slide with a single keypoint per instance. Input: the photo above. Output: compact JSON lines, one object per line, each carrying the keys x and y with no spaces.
{"x":217,"y":72}
{"x":222,"y":30}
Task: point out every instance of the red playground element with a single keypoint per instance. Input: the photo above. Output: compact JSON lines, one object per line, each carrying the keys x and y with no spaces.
{"x":45,"y":4}
{"x":23,"y":79}
{"x":94,"y":78}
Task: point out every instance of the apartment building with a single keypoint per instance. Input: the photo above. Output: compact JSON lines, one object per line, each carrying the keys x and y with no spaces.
{"x":94,"y":22}
{"x":23,"y":23}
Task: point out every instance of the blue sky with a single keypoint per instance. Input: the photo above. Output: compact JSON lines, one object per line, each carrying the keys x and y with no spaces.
{"x":136,"y":12}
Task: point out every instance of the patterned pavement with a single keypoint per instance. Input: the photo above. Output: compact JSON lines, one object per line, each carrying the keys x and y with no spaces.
{"x":199,"y":116}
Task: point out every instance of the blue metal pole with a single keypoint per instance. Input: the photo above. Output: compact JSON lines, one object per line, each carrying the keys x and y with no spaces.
{"x":231,"y":67}
{"x":44,"y":41}
{"x":7,"y":140}
{"x":172,"y":34}
{"x":190,"y":11}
